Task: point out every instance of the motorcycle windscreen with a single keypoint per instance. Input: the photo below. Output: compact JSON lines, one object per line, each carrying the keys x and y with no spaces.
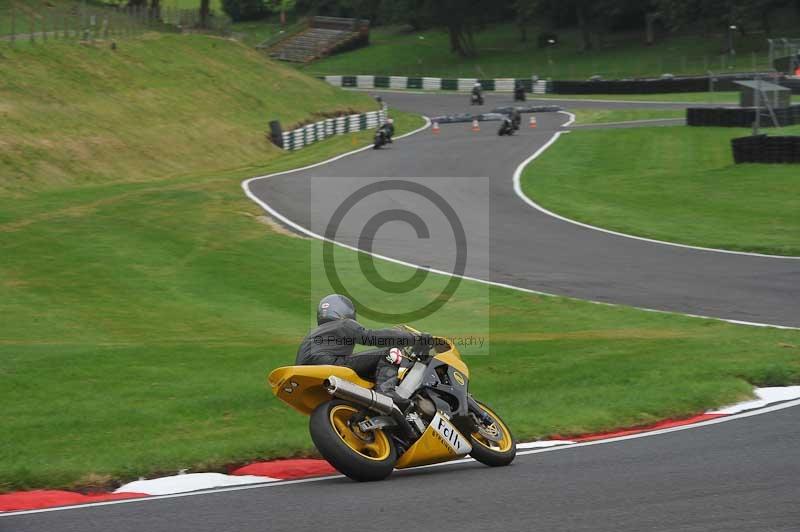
{"x":440,"y":442}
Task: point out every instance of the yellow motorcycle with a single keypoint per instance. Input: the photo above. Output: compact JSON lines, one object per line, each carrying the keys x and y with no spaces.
{"x":365,"y":435}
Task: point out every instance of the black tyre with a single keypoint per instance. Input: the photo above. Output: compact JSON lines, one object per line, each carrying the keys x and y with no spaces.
{"x":493,"y":444}
{"x":360,"y":456}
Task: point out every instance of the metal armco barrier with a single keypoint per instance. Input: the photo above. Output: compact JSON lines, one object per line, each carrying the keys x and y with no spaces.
{"x":766,"y":149}
{"x":721,"y":82}
{"x":436,"y":84}
{"x":311,"y":133}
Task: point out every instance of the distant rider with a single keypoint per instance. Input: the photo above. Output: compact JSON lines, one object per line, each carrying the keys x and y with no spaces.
{"x":516,"y":118}
{"x":388,"y":129}
{"x":519,"y":91}
{"x":477,"y":92}
{"x":337,"y":334}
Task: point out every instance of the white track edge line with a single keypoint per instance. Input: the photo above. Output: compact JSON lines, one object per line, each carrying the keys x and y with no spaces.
{"x":303,"y":230}
{"x":529,"y":201}
{"x":571,"y":120}
{"x":722,"y":419}
{"x":626,"y":122}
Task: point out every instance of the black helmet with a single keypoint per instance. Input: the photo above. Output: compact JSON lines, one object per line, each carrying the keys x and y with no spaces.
{"x":335,"y":307}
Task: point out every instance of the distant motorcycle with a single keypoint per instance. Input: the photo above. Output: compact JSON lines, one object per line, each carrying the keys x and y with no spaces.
{"x":476,"y":99}
{"x":381,"y":139}
{"x":506,"y":127}
{"x":519,"y":93}
{"x":516,"y":119}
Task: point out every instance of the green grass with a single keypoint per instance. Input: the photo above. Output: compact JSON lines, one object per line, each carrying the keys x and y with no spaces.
{"x":253,"y":33}
{"x":601,"y":116}
{"x":146,"y":316}
{"x":142,"y":308}
{"x":27,"y":10}
{"x":679,"y":97}
{"x":158,"y":106}
{"x":674,"y":184}
{"x":502,"y":54}
{"x":216,"y":5}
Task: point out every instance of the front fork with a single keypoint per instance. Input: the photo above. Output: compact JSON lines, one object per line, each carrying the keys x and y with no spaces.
{"x":476,"y":409}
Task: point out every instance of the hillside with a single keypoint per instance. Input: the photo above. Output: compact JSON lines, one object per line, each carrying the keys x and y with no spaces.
{"x":157,"y":106}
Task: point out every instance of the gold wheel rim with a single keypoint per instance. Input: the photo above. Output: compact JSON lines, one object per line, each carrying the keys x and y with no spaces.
{"x":373,"y":445}
{"x":495,"y":428}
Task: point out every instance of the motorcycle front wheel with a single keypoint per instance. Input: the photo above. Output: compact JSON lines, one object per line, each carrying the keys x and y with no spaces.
{"x":359,"y":455}
{"x":493,"y":444}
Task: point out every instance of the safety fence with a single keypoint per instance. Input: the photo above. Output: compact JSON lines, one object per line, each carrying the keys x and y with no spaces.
{"x":436,"y":84}
{"x":714,"y":82}
{"x":90,"y":21}
{"x":766,"y":149}
{"x":311,"y":133}
{"x":741,"y":116}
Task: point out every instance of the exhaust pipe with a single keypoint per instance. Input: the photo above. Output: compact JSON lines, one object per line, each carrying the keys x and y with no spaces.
{"x":367,"y":398}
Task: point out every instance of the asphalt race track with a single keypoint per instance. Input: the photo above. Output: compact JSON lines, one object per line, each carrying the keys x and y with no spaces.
{"x":530,"y":249}
{"x":737,"y":475}
{"x":741,"y":474}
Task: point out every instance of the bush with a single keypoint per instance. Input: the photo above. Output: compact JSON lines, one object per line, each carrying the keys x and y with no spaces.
{"x":240,"y":10}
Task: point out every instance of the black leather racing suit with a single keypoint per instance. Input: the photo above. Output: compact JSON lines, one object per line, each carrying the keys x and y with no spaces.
{"x":388,"y":130}
{"x":333,"y":343}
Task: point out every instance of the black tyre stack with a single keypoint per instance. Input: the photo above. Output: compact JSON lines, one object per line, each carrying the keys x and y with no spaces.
{"x":764,"y":149}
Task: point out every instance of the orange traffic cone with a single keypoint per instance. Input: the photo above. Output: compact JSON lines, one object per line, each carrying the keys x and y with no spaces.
{"x":533,"y":122}
{"x":435,"y":128}
{"x":475,"y":125}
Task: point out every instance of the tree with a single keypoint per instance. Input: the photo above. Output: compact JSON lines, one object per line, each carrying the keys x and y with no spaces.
{"x":719,"y":14}
{"x":240,"y":10}
{"x":204,"y":10}
{"x":526,"y":13}
{"x":282,"y":7}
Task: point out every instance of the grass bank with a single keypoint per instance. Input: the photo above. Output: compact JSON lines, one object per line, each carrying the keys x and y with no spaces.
{"x":676,"y":184}
{"x":156,"y":107}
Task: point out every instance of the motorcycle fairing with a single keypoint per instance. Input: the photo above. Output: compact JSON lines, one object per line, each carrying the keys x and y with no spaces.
{"x":440,"y":442}
{"x":301,"y":386}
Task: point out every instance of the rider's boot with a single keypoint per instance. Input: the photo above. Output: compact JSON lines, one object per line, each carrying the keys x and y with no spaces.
{"x":386,"y":382}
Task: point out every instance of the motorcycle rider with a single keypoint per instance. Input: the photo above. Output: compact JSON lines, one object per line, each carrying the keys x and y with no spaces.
{"x":338,"y":332}
{"x":477,"y":92}
{"x":516,"y":118}
{"x":388,"y":129}
{"x":506,"y":126}
{"x":519,"y":91}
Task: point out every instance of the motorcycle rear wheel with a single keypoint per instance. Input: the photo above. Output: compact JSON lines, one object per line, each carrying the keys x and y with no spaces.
{"x":488,"y":451}
{"x":360,"y":456}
